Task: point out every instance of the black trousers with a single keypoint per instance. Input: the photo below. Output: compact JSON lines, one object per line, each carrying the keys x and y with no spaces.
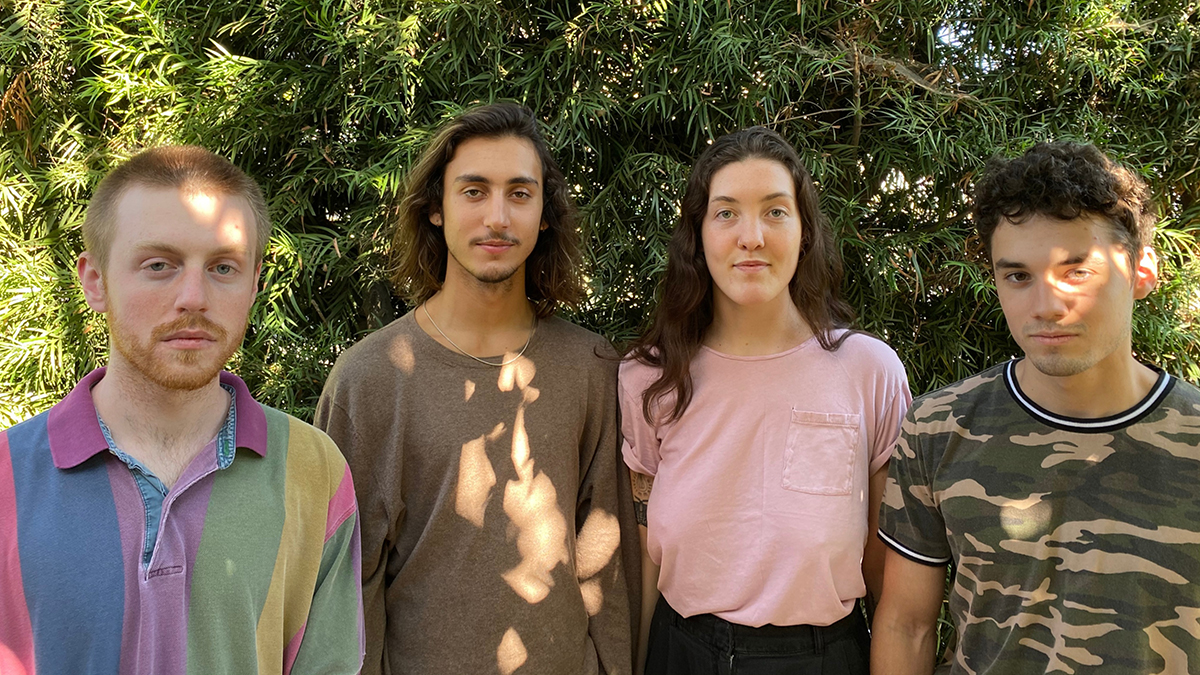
{"x":708,"y":645}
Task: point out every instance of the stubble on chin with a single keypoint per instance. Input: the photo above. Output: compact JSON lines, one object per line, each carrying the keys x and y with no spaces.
{"x":178,"y":370}
{"x":1056,"y":365}
{"x":498,"y":279}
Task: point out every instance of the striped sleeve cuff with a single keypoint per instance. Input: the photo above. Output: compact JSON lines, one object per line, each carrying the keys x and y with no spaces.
{"x":933,"y":561}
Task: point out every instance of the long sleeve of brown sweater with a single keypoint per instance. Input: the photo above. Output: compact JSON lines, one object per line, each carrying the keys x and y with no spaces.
{"x":497,"y":525}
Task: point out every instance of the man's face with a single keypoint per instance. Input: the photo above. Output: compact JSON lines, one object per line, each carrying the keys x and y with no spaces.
{"x":491,"y":208}
{"x":1067,"y":289}
{"x":180,"y":279}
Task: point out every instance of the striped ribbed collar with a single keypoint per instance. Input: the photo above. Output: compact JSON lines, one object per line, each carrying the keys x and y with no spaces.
{"x":75,"y":434}
{"x":1162,"y":387}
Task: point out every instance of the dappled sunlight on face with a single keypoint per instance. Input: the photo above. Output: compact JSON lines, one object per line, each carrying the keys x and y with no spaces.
{"x":511,"y":654}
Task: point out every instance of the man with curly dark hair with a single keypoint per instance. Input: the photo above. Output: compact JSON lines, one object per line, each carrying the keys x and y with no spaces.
{"x":1061,"y":486}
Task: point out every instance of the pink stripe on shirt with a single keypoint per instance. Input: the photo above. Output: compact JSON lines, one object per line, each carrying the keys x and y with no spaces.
{"x":341,"y":505}
{"x":16,"y":631}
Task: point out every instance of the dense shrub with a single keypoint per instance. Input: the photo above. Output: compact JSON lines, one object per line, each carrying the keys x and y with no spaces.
{"x":894,"y":105}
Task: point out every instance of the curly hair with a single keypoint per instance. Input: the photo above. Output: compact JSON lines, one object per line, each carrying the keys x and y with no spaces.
{"x":685,"y":308}
{"x":1066,"y":181}
{"x":419,"y":247}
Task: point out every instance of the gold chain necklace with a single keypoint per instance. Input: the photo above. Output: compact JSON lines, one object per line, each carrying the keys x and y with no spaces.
{"x":532,"y":330}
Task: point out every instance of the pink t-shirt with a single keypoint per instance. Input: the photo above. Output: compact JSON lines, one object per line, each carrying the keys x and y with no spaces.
{"x":759,"y":507}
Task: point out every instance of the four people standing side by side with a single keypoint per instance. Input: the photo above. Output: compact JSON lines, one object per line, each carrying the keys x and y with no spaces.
{"x":1062,"y":486}
{"x":759,"y":430}
{"x":483,"y":430}
{"x":210,"y":533}
{"x":158,"y":519}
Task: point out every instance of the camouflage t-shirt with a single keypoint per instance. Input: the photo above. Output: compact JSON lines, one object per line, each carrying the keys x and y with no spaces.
{"x":1075,"y":543}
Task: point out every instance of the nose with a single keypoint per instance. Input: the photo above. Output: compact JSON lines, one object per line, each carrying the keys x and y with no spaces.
{"x":1050,"y":299}
{"x":496,"y":218}
{"x":192,"y":291}
{"x":750,"y":234}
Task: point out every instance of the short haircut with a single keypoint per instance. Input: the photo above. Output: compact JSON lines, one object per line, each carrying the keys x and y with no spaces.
{"x":183,"y":167}
{"x":419,"y":247}
{"x":1065,"y":180}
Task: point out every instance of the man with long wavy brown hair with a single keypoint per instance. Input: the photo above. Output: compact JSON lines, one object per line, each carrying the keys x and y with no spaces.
{"x":483,"y":428}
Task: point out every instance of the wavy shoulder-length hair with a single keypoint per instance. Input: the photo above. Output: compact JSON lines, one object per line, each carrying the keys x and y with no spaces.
{"x":419,"y":250}
{"x":685,"y":307}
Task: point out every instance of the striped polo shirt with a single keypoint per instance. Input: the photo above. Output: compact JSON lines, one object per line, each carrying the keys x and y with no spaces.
{"x":255,"y":566}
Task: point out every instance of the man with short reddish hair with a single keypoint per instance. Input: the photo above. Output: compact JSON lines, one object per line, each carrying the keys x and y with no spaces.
{"x":159,"y":519}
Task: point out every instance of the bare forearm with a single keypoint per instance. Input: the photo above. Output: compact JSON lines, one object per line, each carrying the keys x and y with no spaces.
{"x":899,"y":648}
{"x":649,"y":601}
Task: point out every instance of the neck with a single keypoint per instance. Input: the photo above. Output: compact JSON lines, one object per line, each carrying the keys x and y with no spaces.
{"x":159,"y":426}
{"x":1112,"y":386}
{"x":756,"y":330}
{"x":469,"y":305}
{"x":484,"y":320}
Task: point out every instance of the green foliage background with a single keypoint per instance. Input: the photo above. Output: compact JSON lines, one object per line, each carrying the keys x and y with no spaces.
{"x":895,"y":105}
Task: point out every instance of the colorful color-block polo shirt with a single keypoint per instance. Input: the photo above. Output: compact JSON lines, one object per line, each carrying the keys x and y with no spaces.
{"x":254,"y":568}
{"x":1075,"y":542}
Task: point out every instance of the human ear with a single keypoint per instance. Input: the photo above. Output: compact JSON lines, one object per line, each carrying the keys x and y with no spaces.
{"x":436,"y":218}
{"x":1145,"y":273}
{"x":91,"y":277}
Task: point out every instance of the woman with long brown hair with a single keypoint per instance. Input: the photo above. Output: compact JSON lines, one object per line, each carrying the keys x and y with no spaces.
{"x":758,"y":428}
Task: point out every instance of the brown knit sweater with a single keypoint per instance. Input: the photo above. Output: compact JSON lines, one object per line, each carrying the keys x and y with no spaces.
{"x":497,"y":527}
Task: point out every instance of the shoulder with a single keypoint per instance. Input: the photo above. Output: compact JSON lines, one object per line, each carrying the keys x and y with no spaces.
{"x":1177,"y":413}
{"x":959,"y":398}
{"x":375,"y":358}
{"x":575,"y":348}
{"x":29,"y":435}
{"x":567,"y":336}
{"x":308,"y":448}
{"x":865,"y":351}
{"x":381,"y":345}
{"x":635,"y":376}
{"x":1187,"y":394}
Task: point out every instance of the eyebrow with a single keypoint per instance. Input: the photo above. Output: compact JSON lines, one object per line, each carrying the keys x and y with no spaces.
{"x":171,"y":249}
{"x":1014,"y":265}
{"x":476,"y":178}
{"x":731,"y":200}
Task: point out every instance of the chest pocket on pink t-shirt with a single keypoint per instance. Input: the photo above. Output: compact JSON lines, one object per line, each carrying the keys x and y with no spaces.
{"x":820,"y":452}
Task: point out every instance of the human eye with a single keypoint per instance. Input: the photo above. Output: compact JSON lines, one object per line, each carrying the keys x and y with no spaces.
{"x":472,"y":193}
{"x":723,"y":214}
{"x":1016,"y":277}
{"x":1079,"y":274}
{"x":156,"y":266}
{"x":522,"y":193}
{"x":777,"y":212}
{"x":224,"y":269}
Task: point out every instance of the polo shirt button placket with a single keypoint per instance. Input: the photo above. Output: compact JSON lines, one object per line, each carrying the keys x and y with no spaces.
{"x":165,"y":560}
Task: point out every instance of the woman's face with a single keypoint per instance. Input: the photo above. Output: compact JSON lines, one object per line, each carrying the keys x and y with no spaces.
{"x":751,"y":233}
